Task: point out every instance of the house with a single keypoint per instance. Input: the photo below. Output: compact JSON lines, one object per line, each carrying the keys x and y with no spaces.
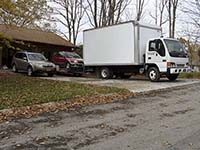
{"x":31,"y":40}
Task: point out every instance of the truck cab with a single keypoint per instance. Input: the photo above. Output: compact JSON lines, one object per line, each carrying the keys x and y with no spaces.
{"x":165,"y":57}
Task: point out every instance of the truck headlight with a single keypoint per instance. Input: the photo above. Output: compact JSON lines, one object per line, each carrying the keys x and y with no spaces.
{"x":171,"y":65}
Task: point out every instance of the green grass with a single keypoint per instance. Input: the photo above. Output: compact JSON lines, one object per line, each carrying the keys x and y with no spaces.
{"x":17,"y":91}
{"x":192,"y":75}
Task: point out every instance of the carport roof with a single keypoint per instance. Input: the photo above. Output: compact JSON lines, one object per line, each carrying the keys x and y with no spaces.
{"x":33,"y":35}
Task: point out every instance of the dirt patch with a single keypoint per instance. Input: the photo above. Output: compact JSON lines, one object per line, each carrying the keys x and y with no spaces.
{"x":167,"y":115}
{"x":163,"y":104}
{"x":184,"y":111}
{"x":178,"y":112}
{"x":14,"y":129}
{"x":132,"y":115}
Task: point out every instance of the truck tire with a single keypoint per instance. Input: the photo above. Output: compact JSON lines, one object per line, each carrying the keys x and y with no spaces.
{"x":153,"y":74}
{"x":172,"y":77}
{"x":105,"y":73}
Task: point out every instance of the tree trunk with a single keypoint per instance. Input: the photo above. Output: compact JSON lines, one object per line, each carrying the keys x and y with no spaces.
{"x":1,"y":55}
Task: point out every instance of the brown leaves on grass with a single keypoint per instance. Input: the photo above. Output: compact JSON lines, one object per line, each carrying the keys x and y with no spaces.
{"x":6,"y":73}
{"x":29,"y":111}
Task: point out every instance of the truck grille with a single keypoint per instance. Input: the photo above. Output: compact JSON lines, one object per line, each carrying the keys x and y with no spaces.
{"x":180,"y":65}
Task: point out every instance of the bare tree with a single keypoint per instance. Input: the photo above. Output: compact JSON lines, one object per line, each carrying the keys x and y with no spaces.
{"x":192,"y":11}
{"x":70,"y":14}
{"x":105,"y":12}
{"x":172,"y":14}
{"x":139,"y":9}
{"x":160,"y":7}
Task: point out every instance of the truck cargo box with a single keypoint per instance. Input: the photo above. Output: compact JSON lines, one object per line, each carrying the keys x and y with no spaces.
{"x":121,"y":44}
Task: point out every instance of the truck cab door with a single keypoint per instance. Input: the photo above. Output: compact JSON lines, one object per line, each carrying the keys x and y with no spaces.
{"x":156,"y":54}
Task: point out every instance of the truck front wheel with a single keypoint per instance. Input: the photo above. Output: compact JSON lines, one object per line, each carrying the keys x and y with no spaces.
{"x":105,"y":73}
{"x":172,"y":77}
{"x":153,"y":74}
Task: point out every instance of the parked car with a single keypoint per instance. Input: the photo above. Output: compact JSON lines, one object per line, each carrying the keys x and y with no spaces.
{"x":69,"y":62}
{"x":32,"y":63}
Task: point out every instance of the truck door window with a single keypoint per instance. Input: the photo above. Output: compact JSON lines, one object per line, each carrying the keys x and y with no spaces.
{"x":152,"y":46}
{"x":160,"y":48}
{"x":157,"y":46}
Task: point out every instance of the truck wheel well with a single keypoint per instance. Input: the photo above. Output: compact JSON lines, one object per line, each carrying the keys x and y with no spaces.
{"x":147,"y":66}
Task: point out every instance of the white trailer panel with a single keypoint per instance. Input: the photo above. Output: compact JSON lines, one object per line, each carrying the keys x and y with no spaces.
{"x":111,"y":45}
{"x":122,"y":44}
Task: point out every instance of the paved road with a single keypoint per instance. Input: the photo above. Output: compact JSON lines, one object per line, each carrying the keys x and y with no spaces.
{"x":162,"y":121}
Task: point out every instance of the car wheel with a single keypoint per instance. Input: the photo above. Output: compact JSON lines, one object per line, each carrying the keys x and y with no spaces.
{"x":172,"y":77}
{"x":29,"y":71}
{"x":153,"y":74}
{"x":14,"y":68}
{"x":106,"y":73}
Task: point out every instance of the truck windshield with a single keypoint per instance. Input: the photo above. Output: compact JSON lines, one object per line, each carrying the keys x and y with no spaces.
{"x":36,"y":57}
{"x":175,"y":48}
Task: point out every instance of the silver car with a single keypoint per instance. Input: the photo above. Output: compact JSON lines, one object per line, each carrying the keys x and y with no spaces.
{"x":32,"y":63}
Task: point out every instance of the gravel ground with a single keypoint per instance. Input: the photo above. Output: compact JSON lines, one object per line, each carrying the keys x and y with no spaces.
{"x":168,"y":120}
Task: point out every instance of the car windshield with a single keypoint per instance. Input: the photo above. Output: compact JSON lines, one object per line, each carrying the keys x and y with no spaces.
{"x":71,"y":55}
{"x":175,"y":48}
{"x":36,"y":57}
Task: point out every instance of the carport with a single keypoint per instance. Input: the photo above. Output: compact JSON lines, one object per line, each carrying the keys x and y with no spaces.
{"x":31,"y":40}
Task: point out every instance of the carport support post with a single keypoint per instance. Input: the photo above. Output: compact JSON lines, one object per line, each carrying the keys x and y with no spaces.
{"x":1,"y":51}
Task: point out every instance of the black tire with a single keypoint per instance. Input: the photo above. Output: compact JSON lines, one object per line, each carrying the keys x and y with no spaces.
{"x":14,"y":68}
{"x":29,"y":71}
{"x":153,"y":74}
{"x":172,"y":77}
{"x":105,"y":73}
{"x":50,"y":74}
{"x":124,"y":76}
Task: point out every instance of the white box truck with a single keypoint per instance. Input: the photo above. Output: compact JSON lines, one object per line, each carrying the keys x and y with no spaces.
{"x":133,"y":47}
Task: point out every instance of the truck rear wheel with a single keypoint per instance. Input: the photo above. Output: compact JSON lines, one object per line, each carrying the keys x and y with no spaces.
{"x":105,"y":73}
{"x":153,"y":74}
{"x":172,"y":77}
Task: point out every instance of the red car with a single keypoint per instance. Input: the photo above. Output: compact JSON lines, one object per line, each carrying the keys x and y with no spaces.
{"x":69,"y":62}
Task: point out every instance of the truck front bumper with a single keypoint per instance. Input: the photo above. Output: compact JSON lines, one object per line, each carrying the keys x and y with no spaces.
{"x":179,"y":70}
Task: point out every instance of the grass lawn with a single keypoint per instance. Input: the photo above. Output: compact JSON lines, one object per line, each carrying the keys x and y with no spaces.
{"x":17,"y":91}
{"x":192,"y":75}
